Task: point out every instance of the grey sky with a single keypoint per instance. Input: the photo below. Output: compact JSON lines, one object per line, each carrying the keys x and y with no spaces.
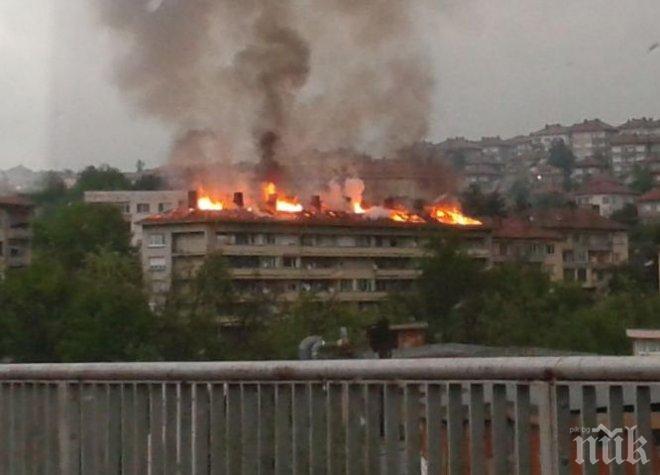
{"x":502,"y":66}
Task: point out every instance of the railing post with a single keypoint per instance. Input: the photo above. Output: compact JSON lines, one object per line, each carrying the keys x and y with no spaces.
{"x":547,"y":417}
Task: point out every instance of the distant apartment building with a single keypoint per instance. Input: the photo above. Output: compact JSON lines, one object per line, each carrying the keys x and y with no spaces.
{"x":570,"y":245}
{"x":15,"y":233}
{"x":605,"y":195}
{"x":546,"y":178}
{"x":460,"y":147}
{"x":643,"y":126}
{"x":648,"y":206}
{"x":482,"y":171}
{"x":630,"y":151}
{"x":137,"y":205}
{"x":519,"y":240}
{"x":591,"y":138}
{"x":653,"y":166}
{"x":344,"y":257}
{"x":645,"y":342}
{"x":587,"y":169}
{"x":495,"y":148}
{"x":550,"y":135}
{"x":521,"y":145}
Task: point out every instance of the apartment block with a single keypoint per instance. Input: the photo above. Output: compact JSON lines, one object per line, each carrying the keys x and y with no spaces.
{"x":550,"y":135}
{"x":345,"y":257}
{"x":591,"y":138}
{"x":643,"y":126}
{"x":569,"y":245}
{"x":15,"y":233}
{"x":137,"y":205}
{"x":630,"y":151}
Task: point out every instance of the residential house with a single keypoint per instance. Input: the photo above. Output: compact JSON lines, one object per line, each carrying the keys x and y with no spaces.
{"x":484,"y":172}
{"x":605,"y":195}
{"x":645,"y":342}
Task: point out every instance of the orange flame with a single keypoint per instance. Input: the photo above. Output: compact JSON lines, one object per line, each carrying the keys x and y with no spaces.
{"x":282,"y":205}
{"x":452,"y":214}
{"x":357,"y":208}
{"x":205,"y":202}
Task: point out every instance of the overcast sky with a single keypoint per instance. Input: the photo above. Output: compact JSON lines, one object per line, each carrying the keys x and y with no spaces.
{"x":502,"y":67}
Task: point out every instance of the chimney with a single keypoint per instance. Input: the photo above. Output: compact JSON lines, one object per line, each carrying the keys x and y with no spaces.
{"x":316,"y":203}
{"x":192,"y":200}
{"x":239,"y":201}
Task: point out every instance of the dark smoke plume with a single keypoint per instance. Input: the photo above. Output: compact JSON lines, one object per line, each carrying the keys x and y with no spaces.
{"x":313,"y":74}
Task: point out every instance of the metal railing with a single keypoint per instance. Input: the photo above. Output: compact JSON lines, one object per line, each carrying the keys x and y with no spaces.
{"x":490,"y":415}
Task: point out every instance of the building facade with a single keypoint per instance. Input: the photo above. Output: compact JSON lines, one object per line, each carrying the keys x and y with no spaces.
{"x":550,"y":135}
{"x":569,"y":245}
{"x":648,"y":206}
{"x":348,"y":258}
{"x":643,"y":126}
{"x":137,"y":205}
{"x":15,"y":233}
{"x":605,"y":195}
{"x":630,"y":151}
{"x":591,"y":138}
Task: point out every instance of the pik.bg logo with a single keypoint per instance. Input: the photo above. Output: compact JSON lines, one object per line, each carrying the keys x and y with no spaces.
{"x":600,"y":444}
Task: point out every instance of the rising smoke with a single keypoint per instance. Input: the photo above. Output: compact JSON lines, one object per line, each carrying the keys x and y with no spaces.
{"x":275,"y":78}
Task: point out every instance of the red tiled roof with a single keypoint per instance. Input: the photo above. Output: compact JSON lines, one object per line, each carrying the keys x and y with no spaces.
{"x":603,"y":186}
{"x":517,"y":228}
{"x":576,"y":219}
{"x":330,"y":218}
{"x":653,"y":195}
{"x":643,"y":123}
{"x":15,"y":200}
{"x":551,"y":129}
{"x":595,"y":125}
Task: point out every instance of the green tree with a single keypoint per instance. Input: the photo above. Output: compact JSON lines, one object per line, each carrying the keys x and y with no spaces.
{"x":476,"y":203}
{"x":626,"y":215}
{"x":149,"y":183}
{"x":101,"y":178}
{"x":642,"y":180}
{"x":562,"y":157}
{"x":71,"y":232}
{"x":107,"y":317}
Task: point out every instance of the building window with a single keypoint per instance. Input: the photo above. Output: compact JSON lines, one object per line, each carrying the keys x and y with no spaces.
{"x":582,"y":275}
{"x":268,"y":262}
{"x":143,"y":208}
{"x":163,"y":207}
{"x":243,"y":239}
{"x":156,"y":240}
{"x":308,"y":240}
{"x":269,"y":239}
{"x":346,"y":285}
{"x":290,"y":262}
{"x":125,"y":207}
{"x":550,"y":249}
{"x":567,"y":256}
{"x":157,"y":264}
{"x":365,"y":285}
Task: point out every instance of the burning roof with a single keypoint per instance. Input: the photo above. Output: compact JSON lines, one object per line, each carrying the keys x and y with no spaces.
{"x":276,"y":207}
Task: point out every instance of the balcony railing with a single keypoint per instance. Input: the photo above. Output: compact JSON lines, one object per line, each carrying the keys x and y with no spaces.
{"x":499,"y":415}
